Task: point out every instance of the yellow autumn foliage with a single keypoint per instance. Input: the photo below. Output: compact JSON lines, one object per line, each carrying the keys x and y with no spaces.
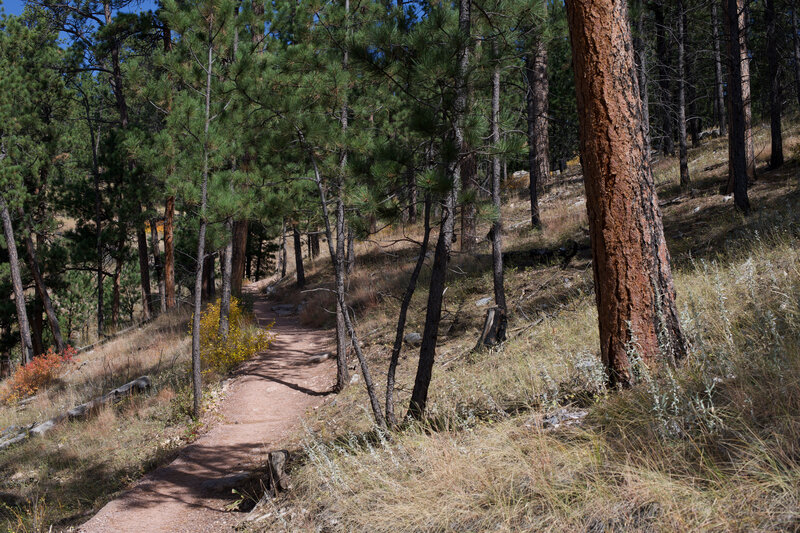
{"x":245,"y":338}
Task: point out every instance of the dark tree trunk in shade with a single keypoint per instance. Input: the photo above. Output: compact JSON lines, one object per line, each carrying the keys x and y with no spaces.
{"x":239,"y":255}
{"x":37,"y":327}
{"x":209,"y":283}
{"x":719,"y":89}
{"x":640,"y":46}
{"x":351,"y":251}
{"x":631,"y":264}
{"x":411,"y":185}
{"x":401,"y":319}
{"x":433,"y":315}
{"x":144,"y":271}
{"x":169,"y":252}
{"x":313,"y":239}
{"x":226,"y":262}
{"x":538,"y":136}
{"x":665,"y":93}
{"x":683,"y":149}
{"x":796,"y":49}
{"x":298,"y":258}
{"x":119,"y":261}
{"x":154,"y":249}
{"x":737,"y":137}
{"x":41,"y":288}
{"x":773,"y":62}
{"x":16,"y":282}
{"x":496,"y":232}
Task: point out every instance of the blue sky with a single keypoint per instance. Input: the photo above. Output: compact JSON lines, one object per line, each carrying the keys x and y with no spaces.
{"x":15,"y":7}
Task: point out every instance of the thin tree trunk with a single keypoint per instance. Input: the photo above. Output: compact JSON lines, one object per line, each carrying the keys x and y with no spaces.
{"x":719,"y":90}
{"x":351,"y":251}
{"x":641,"y":54}
{"x":427,"y":351}
{"x":411,"y":184}
{"x":209,"y":284}
{"x":632,"y":275}
{"x":796,"y":49}
{"x":41,"y":287}
{"x":115,"y":287}
{"x":773,"y":61}
{"x":401,"y":319}
{"x":240,"y":228}
{"x":469,"y":211}
{"x":497,"y":225}
{"x":226,"y":264}
{"x":682,"y":145}
{"x":169,"y":252}
{"x":667,"y":142}
{"x":737,"y":138}
{"x":37,"y":327}
{"x":16,"y":281}
{"x":154,"y":249}
{"x":298,"y":258}
{"x":144,"y":271}
{"x":197,"y":383}
{"x":97,"y":218}
{"x":538,"y":137}
{"x":282,"y":251}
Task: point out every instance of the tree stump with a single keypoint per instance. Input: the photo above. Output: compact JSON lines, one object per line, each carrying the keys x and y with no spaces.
{"x":494,"y":328}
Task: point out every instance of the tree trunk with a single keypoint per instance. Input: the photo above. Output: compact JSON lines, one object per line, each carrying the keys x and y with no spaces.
{"x":119,"y":262}
{"x":641,"y":53}
{"x":796,"y":49}
{"x":144,"y":271}
{"x":497,"y":225}
{"x":411,"y":183}
{"x":632,"y":275}
{"x":401,"y":319}
{"x":314,"y":240}
{"x":26,"y":347}
{"x":667,"y":142}
{"x":538,"y":137}
{"x":469,"y":211}
{"x":227,"y":264}
{"x":427,"y":351}
{"x":682,"y":145}
{"x":41,"y":287}
{"x":737,"y":138}
{"x":154,"y":249}
{"x":282,"y":251}
{"x":719,"y":90}
{"x":209,"y":283}
{"x":239,"y":252}
{"x":197,"y":383}
{"x":351,"y":251}
{"x":298,"y":258}
{"x":37,"y":327}
{"x":773,"y":61}
{"x":169,"y":252}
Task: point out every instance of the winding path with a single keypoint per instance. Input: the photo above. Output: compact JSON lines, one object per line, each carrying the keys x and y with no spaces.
{"x":264,"y":405}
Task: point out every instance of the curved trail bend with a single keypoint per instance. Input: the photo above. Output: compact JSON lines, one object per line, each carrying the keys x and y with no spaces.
{"x":263,"y":406}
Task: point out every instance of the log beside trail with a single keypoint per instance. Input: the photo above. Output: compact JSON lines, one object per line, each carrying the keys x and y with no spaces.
{"x":13,"y":435}
{"x":539,"y":256}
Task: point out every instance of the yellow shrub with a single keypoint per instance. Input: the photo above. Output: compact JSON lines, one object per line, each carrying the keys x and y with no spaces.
{"x":245,"y":338}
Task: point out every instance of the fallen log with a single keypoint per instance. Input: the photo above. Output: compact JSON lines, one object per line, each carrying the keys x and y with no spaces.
{"x":13,"y":435}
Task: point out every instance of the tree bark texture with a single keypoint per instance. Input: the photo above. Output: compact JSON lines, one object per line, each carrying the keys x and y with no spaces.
{"x":298,"y":258}
{"x":239,"y":252}
{"x":469,"y":210}
{"x":665,"y":94}
{"x":719,"y":90}
{"x":683,"y":149}
{"x":538,"y":136}
{"x":631,"y":265}
{"x":737,"y":138}
{"x":773,"y":62}
{"x":156,"y":251}
{"x":226,"y":264}
{"x":496,"y":232}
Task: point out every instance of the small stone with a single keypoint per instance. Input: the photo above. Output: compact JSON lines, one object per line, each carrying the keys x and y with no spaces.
{"x":483,"y":301}
{"x":354,"y":379}
{"x":414,"y":339}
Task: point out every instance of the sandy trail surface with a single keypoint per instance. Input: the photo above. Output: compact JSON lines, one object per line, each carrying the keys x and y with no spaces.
{"x":263,"y":406}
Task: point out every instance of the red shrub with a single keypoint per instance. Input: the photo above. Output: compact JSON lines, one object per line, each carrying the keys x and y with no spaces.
{"x":42,"y":371}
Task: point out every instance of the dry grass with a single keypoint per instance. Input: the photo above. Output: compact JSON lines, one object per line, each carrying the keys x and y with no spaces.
{"x":710,"y":446}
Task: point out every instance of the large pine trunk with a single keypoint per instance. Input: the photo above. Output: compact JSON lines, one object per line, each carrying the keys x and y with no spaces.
{"x":433,"y":316}
{"x":719,"y":90}
{"x":169,"y":252}
{"x":16,"y":281}
{"x":41,"y":287}
{"x":773,"y":61}
{"x":538,"y":137}
{"x":632,"y":275}
{"x":739,"y":124}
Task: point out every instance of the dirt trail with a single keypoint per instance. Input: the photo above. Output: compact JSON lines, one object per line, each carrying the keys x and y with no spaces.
{"x":263,"y":406}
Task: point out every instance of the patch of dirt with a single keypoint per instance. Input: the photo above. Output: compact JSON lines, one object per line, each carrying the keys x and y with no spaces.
{"x":264,"y":406}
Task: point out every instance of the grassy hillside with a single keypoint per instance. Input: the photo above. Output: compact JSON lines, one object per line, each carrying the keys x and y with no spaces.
{"x":711,"y":445}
